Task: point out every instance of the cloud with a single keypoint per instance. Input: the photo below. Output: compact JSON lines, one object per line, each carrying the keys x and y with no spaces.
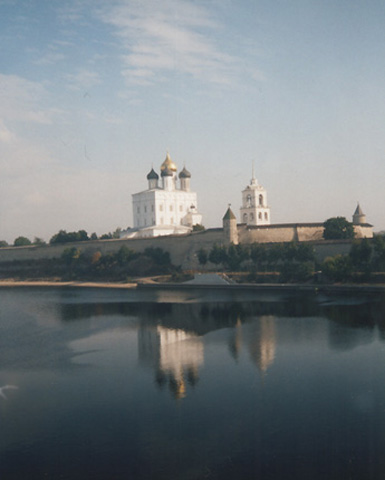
{"x":21,"y":101}
{"x":169,"y":36}
{"x":83,"y":79}
{"x":6,"y":136}
{"x":50,"y":59}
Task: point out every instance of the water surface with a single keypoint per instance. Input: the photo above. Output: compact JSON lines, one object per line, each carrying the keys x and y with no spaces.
{"x":116,"y":384}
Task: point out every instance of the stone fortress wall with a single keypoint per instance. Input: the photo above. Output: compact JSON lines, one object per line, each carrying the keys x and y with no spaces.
{"x":183,"y":248}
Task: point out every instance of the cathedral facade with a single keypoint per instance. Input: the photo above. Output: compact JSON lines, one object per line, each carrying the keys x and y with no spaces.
{"x":168,"y":206}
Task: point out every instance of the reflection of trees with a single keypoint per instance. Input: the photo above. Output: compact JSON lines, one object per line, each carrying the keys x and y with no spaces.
{"x":174,"y":354}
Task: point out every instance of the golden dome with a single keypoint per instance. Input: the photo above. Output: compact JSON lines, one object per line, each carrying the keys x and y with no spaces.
{"x":168,"y":164}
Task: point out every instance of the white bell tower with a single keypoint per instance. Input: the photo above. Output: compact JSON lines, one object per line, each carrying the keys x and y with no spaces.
{"x":254,"y":209}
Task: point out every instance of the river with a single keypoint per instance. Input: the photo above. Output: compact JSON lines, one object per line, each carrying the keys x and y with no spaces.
{"x":125,"y":384}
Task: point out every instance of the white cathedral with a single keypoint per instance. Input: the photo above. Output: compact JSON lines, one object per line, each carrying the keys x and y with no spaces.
{"x":165,"y":209}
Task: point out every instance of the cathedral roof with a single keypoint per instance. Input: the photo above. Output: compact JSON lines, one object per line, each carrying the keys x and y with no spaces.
{"x":168,"y":164}
{"x":167,"y":172}
{"x":185,"y":173}
{"x":153,"y":175}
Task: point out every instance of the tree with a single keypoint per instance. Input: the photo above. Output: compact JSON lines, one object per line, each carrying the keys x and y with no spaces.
{"x":360,"y":253}
{"x":63,"y":237}
{"x":338,"y":268}
{"x":198,"y":228}
{"x":70,"y":255}
{"x":39,"y":242}
{"x":21,"y":242}
{"x":117,"y":233}
{"x":218,"y":254}
{"x":202,"y":256}
{"x":3,"y":243}
{"x":336,"y":228}
{"x":236,"y":254}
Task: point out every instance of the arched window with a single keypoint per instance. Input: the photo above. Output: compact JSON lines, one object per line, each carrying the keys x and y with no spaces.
{"x":248,"y":200}
{"x":245,"y":218}
{"x":261,"y":200}
{"x":266,"y":216}
{"x":251,"y":216}
{"x":260,"y":215}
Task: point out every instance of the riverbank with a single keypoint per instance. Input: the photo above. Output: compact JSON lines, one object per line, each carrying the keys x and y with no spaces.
{"x":153,"y":283}
{"x":55,"y":283}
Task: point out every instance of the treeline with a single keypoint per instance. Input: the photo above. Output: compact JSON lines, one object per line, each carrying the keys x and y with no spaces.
{"x":74,"y":264}
{"x":364,"y":263}
{"x":63,"y":237}
{"x":297,"y":261}
{"x":292,"y":261}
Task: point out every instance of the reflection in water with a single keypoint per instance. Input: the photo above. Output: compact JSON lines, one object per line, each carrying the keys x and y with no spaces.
{"x":175,"y":354}
{"x":103,"y":417}
{"x":262,"y":343}
{"x":7,"y":387}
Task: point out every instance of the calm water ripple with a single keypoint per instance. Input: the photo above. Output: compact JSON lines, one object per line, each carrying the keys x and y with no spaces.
{"x":110,"y":384}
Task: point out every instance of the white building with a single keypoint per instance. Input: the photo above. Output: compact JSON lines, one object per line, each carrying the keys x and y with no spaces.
{"x":254,"y":209}
{"x":165,"y":209}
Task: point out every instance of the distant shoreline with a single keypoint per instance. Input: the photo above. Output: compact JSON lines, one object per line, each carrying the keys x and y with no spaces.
{"x":54,"y":283}
{"x":147,"y":283}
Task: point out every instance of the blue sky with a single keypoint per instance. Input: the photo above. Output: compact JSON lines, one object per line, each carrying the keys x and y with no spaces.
{"x":93,"y":93}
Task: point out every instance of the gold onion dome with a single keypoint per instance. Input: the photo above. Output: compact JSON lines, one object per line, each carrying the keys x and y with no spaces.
{"x":168,"y":164}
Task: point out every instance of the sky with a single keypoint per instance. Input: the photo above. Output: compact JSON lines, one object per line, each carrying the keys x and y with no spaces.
{"x":93,"y":93}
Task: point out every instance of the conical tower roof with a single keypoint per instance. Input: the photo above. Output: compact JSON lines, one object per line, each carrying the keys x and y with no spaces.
{"x":229,"y":215}
{"x":358,"y":210}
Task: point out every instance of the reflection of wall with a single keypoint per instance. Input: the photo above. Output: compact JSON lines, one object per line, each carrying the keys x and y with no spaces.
{"x":262,"y":343}
{"x":259,"y":338}
{"x":174,"y":354}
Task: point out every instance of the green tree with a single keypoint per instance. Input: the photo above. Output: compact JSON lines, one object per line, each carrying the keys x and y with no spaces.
{"x":63,"y":237}
{"x":125,"y":255}
{"x":70,"y":255}
{"x":39,"y":242}
{"x":338,"y":268}
{"x":379,"y":253}
{"x":258,"y":254}
{"x":3,"y":243}
{"x":117,"y":233}
{"x":202,"y":256}
{"x":21,"y":242}
{"x":360,"y":253}
{"x":236,"y":254}
{"x":218,"y":254}
{"x":336,"y":228}
{"x":198,"y":228}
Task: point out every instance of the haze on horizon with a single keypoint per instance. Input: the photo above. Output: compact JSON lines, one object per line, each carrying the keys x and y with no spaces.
{"x":93,"y":94}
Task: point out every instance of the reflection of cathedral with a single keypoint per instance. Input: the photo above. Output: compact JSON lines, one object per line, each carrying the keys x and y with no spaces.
{"x":175,"y":354}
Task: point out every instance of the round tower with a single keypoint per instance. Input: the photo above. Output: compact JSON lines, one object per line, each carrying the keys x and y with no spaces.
{"x":359,"y":217}
{"x":230,"y":229}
